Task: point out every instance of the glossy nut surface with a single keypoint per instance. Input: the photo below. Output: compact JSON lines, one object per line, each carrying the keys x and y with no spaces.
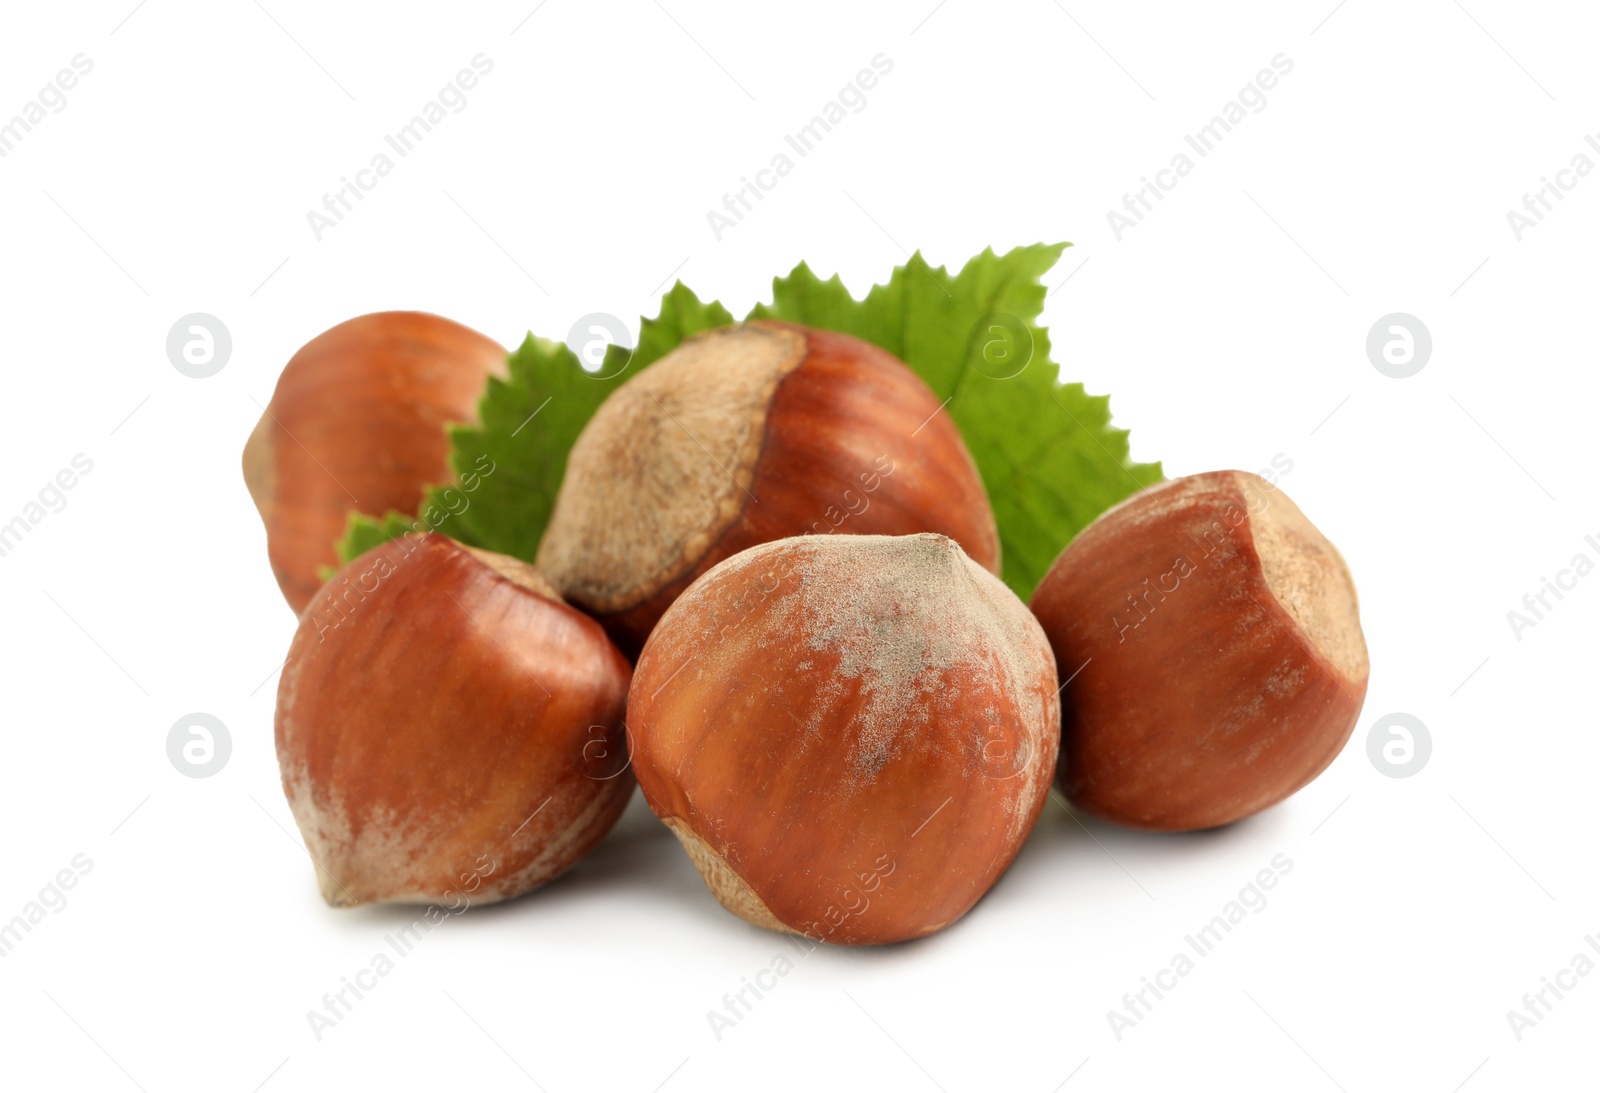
{"x":447,"y":728}
{"x":1213,"y":643}
{"x":851,"y":735}
{"x":743,"y":435}
{"x":358,"y":422}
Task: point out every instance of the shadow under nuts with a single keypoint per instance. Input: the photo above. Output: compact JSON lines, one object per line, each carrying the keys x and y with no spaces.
{"x":851,"y":735}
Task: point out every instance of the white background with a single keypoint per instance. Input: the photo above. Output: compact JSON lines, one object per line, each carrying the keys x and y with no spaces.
{"x":1228,"y":327}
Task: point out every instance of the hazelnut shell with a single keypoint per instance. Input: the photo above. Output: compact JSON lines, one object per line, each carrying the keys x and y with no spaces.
{"x":743,"y":435}
{"x":1211,"y":640}
{"x":358,"y":423}
{"x":850,"y":735}
{"x":444,"y":720}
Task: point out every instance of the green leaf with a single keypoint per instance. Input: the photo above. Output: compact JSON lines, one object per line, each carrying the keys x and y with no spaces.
{"x":1048,"y":455}
{"x":363,"y":532}
{"x":1047,"y":452}
{"x":509,"y":466}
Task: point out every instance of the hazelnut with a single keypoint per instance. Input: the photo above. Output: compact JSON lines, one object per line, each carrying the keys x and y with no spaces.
{"x":851,"y":735}
{"x":1212,"y":645}
{"x":357,"y":422}
{"x":743,"y":435}
{"x":447,"y":728}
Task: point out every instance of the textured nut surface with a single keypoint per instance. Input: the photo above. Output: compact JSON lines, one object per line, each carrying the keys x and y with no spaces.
{"x":743,"y":435}
{"x":857,"y":732}
{"x":684,"y":436}
{"x":357,"y":422}
{"x":447,"y":728}
{"x":1213,"y":642}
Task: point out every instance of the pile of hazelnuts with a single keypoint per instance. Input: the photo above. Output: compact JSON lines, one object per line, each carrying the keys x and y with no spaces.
{"x":768,"y":593}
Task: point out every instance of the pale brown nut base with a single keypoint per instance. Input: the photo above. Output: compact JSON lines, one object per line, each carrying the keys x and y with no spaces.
{"x":1213,"y":642}
{"x":726,"y":884}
